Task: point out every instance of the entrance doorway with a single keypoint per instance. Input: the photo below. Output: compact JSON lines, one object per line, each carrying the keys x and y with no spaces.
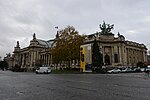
{"x":107,"y":59}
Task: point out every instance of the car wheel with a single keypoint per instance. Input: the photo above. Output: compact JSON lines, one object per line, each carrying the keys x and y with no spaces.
{"x":36,"y":72}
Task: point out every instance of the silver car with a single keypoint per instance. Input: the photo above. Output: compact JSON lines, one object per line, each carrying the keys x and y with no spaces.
{"x":115,"y":70}
{"x":45,"y":70}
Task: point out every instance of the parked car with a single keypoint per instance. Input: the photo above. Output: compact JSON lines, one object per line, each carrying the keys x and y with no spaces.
{"x":45,"y":70}
{"x":137,"y":69}
{"x":148,"y":69}
{"x":142,"y":69}
{"x":115,"y":70}
{"x":127,"y":70}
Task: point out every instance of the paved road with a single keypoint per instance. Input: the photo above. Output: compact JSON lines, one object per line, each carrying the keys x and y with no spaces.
{"x":31,"y":86}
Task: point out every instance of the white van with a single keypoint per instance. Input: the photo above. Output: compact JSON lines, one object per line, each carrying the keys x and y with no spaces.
{"x":45,"y":70}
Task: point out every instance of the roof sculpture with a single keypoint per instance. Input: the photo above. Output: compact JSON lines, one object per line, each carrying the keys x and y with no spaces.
{"x":106,"y":28}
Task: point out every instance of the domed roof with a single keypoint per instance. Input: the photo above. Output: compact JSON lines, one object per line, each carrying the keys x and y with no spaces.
{"x":47,"y":44}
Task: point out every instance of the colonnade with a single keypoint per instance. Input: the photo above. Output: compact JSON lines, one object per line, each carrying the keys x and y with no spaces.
{"x":127,"y":56}
{"x":31,"y":59}
{"x":135,"y":55}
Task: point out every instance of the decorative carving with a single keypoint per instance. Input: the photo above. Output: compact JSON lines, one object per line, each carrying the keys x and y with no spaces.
{"x":17,"y":44}
{"x":34,"y":36}
{"x":119,"y":34}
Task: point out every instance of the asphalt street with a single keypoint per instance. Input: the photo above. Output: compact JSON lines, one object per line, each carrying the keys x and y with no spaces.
{"x":31,"y":86}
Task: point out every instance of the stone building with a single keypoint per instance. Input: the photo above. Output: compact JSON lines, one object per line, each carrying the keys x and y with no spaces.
{"x":37,"y":53}
{"x":117,"y":51}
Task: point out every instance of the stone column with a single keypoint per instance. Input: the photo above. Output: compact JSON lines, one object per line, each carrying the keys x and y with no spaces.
{"x":31,"y":59}
{"x":23,"y":57}
{"x":127,"y":56}
{"x":44,"y":59}
{"x":51,"y":62}
{"x":120,"y":56}
{"x":27,"y":61}
{"x":144,"y":56}
{"x":103,"y":52}
{"x":34,"y":53}
{"x":48,"y":59}
{"x":123,"y":50}
{"x":136,"y":57}
{"x":123,"y":55}
{"x":141,"y":55}
{"x":35,"y":60}
{"x":130,"y":55}
{"x":20,"y":59}
{"x":112,"y":55}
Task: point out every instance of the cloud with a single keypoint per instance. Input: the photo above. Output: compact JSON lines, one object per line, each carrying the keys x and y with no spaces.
{"x":19,"y":19}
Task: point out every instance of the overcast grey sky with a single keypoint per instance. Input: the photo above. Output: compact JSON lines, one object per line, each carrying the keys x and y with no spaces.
{"x":19,"y":19}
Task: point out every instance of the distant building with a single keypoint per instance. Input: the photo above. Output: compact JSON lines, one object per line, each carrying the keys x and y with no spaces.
{"x":117,"y":51}
{"x":37,"y":53}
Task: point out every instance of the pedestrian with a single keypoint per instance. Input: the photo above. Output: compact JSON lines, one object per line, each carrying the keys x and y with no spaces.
{"x":146,"y":72}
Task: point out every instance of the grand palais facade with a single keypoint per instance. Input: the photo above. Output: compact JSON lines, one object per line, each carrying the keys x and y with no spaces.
{"x":116,"y":51}
{"x":38,"y":52}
